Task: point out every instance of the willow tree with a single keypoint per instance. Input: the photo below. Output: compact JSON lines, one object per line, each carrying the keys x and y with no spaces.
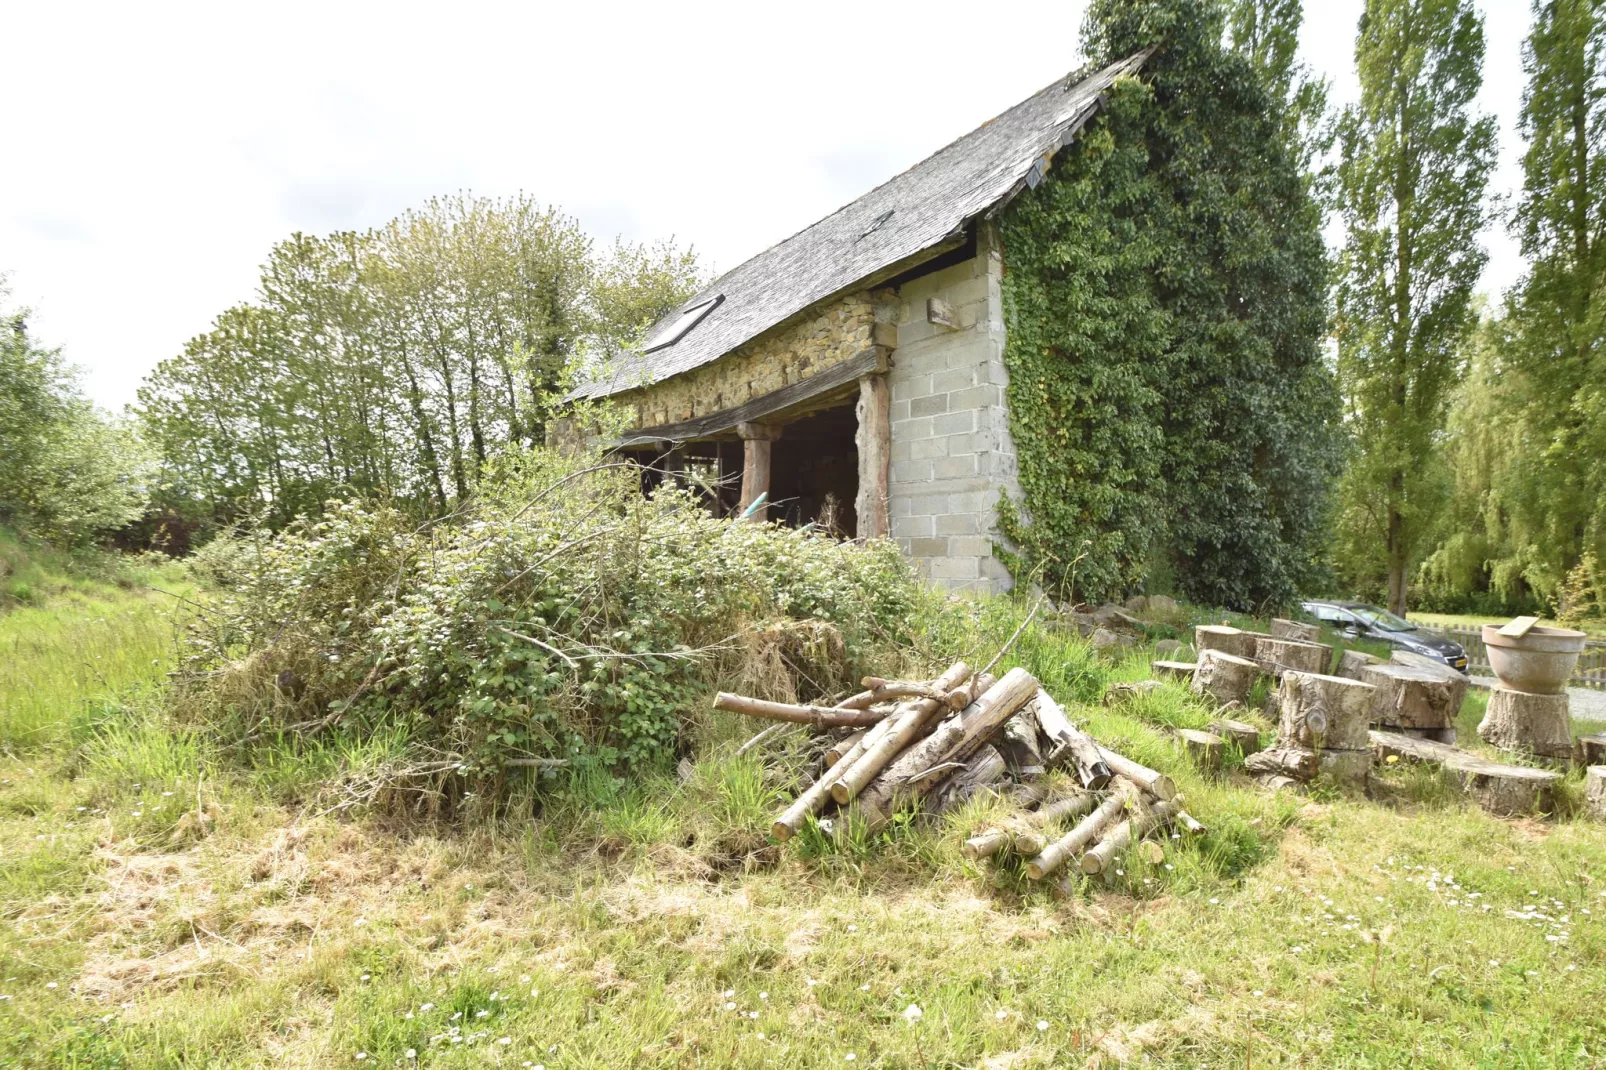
{"x":1414,"y":163}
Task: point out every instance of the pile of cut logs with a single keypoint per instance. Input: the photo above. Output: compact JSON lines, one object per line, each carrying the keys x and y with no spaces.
{"x":930,"y":745}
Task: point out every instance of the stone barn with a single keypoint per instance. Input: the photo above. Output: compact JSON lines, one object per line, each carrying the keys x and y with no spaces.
{"x":853,"y":374}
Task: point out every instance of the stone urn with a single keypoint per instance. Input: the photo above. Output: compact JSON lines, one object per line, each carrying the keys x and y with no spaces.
{"x":1539,"y":663}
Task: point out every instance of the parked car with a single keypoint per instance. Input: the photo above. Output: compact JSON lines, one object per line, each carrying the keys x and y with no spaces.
{"x":1357,"y":620}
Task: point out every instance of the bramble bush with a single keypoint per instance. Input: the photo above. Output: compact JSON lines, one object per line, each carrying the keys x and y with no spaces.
{"x":563,"y":615}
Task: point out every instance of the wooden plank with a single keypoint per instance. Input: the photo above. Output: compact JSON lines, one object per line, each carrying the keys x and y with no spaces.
{"x":1519,"y":627}
{"x":875,"y":456}
{"x":839,"y":378}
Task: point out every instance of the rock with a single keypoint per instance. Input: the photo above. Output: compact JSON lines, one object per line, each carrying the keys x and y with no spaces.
{"x":1162,"y":605}
{"x":1166,"y":647}
{"x":1137,"y":604}
{"x":1111,"y":615}
{"x":1105,"y":640}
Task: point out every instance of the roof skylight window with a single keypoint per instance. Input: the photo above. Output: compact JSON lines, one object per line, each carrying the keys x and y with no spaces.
{"x":689,"y":318}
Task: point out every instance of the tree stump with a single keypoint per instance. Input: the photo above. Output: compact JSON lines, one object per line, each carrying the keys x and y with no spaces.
{"x":1293,"y":629}
{"x":1591,"y":749}
{"x":1277,"y":656}
{"x":1203,"y":747}
{"x":1173,"y":670}
{"x":1225,"y":677}
{"x":1327,"y":714}
{"x":1528,"y":723}
{"x":1408,"y":697}
{"x":1507,"y":790}
{"x":1595,"y":792}
{"x":1351,"y":663}
{"x":1299,"y":763}
{"x":1238,"y":643}
{"x":1246,"y":737}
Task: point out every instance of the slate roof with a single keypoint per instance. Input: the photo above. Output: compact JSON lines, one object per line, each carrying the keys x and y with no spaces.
{"x":912,"y":212}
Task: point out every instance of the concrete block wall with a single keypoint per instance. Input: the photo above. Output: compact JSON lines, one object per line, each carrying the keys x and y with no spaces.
{"x":951,"y":448}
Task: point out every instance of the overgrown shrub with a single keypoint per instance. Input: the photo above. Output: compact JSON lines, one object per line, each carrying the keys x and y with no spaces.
{"x":563,"y":616}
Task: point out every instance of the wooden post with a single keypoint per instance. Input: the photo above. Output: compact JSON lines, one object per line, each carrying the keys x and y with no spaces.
{"x":875,"y":456}
{"x":756,"y":440}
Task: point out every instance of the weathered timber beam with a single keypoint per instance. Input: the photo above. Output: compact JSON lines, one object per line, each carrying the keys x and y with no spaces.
{"x":839,"y":377}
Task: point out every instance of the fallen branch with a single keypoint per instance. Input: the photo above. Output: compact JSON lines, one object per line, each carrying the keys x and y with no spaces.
{"x":819,"y":716}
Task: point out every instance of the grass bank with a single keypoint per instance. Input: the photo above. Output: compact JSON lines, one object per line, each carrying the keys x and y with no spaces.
{"x":164,"y":905}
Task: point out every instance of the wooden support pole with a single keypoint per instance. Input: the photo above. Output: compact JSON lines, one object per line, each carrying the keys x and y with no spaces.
{"x":874,"y":440}
{"x":756,"y":442}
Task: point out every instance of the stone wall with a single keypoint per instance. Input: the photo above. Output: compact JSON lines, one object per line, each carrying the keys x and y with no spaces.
{"x":951,"y":448}
{"x":831,"y":335}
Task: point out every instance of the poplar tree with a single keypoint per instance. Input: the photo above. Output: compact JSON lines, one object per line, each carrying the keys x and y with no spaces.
{"x":1266,"y":32}
{"x":1555,"y":487}
{"x":1414,"y":163}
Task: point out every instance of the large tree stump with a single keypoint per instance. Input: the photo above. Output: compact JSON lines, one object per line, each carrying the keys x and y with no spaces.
{"x":1277,"y":656}
{"x":1595,"y":792}
{"x":1507,"y":790}
{"x":1408,"y":697}
{"x":1351,"y":663}
{"x":1300,"y":763}
{"x":1293,"y":629}
{"x":1528,"y":723}
{"x":1234,"y":641}
{"x":1225,"y":677}
{"x":1323,"y":712}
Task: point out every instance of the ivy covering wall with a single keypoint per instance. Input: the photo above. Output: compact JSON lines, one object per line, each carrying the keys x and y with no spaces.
{"x":1164,"y":292}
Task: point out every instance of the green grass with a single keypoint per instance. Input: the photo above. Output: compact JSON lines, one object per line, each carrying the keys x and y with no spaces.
{"x":163,"y":905}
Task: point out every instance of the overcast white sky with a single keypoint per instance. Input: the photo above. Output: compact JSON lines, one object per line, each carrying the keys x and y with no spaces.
{"x":153,"y":153}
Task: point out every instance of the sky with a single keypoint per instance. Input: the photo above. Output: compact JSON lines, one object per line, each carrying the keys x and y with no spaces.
{"x":153,"y":153}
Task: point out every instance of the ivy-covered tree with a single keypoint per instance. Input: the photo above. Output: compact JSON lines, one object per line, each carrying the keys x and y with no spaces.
{"x":1166,"y":301}
{"x":1414,"y":163}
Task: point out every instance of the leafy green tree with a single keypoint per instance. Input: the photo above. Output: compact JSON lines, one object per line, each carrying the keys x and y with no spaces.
{"x":1414,"y":163}
{"x":1267,"y":32}
{"x":1166,"y":298}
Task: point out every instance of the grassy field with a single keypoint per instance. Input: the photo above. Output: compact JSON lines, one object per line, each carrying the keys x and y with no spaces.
{"x":162,"y":905}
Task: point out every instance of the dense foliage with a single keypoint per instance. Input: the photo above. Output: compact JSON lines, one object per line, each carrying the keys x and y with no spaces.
{"x":1165,"y":295}
{"x":392,"y":364}
{"x":68,"y":472}
{"x":1414,"y":162}
{"x":565,"y":616}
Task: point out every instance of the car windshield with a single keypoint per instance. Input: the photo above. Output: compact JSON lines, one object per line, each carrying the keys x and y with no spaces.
{"x":1382,"y":619}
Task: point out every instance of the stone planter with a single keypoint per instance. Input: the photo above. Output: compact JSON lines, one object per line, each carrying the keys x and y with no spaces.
{"x":1538,"y":663}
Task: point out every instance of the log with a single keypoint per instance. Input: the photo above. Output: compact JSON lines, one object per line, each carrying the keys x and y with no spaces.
{"x":818,"y":716}
{"x":1296,"y":762}
{"x":1507,"y":790}
{"x":1117,"y":694}
{"x":1595,"y":792}
{"x":1173,"y":670}
{"x":1036,"y":831}
{"x":1151,"y":852}
{"x":1323,"y":712}
{"x":987,"y":844}
{"x":1157,"y":784}
{"x":1277,"y":656}
{"x":1591,"y":749}
{"x":1234,"y":641}
{"x":768,"y":734}
{"x":1203,"y":747}
{"x":1527,"y":723}
{"x":910,"y":775}
{"x":816,"y":795}
{"x":835,"y":751}
{"x":1293,"y":629}
{"x":1070,"y":744}
{"x":904,"y":726}
{"x":1134,"y":828}
{"x":1273,"y":782}
{"x":1189,"y":824}
{"x":1224,"y":677}
{"x":1069,"y":845}
{"x":986,"y":769}
{"x":1246,"y":737}
{"x":1018,"y":744}
{"x":1352,"y":662}
{"x":862,"y":701}
{"x":1412,"y":697}
{"x":895,"y":690}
